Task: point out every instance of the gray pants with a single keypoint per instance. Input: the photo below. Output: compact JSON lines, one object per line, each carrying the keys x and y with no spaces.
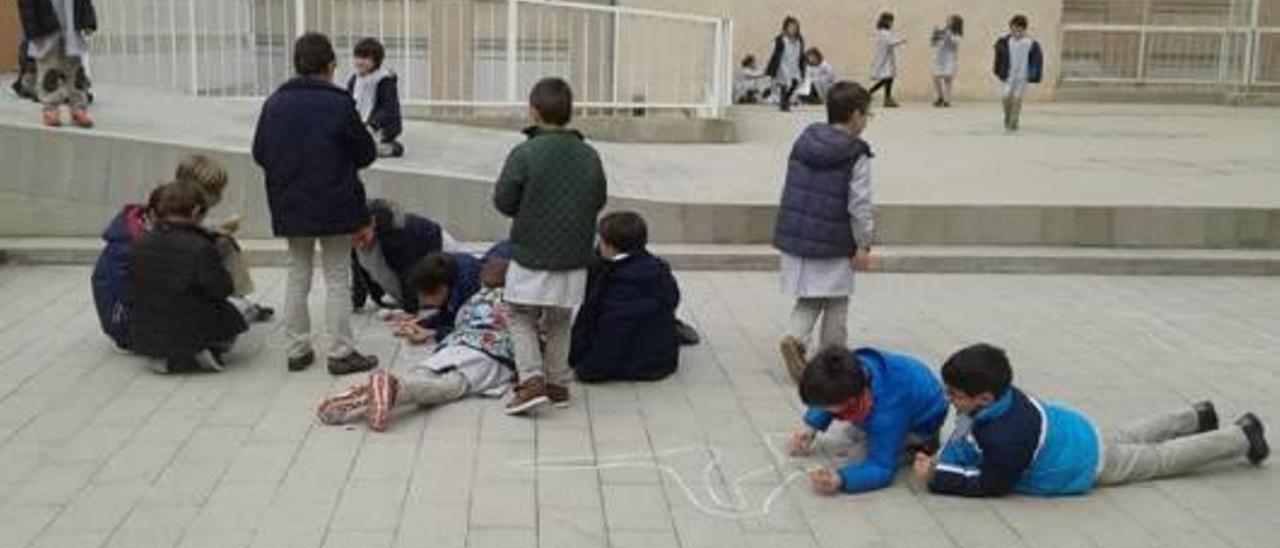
{"x":426,"y":388}
{"x":61,"y":78}
{"x":335,"y":260}
{"x":1166,"y":445}
{"x":834,"y":312}
{"x":1011,"y":96}
{"x":531,"y":361}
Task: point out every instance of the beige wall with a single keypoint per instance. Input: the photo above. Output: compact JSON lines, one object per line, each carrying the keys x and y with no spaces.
{"x":842,"y":29}
{"x":10,"y":33}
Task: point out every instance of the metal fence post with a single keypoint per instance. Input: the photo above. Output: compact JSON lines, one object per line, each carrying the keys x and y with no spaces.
{"x":513,"y":51}
{"x":1251,"y":44}
{"x":617,"y":51}
{"x":195,"y":54}
{"x":718,"y":63}
{"x":300,"y":17}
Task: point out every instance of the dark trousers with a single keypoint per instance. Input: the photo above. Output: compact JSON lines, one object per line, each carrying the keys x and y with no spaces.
{"x":887,"y":84}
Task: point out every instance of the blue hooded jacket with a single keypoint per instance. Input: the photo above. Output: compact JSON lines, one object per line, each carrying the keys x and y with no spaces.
{"x":905,"y":398}
{"x":1018,"y":444}
{"x":464,"y":283}
{"x":111,"y":295}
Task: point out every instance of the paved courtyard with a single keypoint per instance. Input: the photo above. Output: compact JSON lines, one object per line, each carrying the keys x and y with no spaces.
{"x":95,"y":450}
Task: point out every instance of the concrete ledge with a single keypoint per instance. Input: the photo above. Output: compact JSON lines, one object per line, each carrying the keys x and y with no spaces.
{"x":634,"y":126}
{"x":900,"y":259}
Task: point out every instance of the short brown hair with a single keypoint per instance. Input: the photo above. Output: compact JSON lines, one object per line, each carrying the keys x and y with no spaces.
{"x":625,"y":231}
{"x":179,"y":199}
{"x":844,"y":99}
{"x":553,"y":99}
{"x":432,"y":273}
{"x":206,"y":172}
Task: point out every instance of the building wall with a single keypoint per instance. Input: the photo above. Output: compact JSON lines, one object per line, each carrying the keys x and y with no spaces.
{"x":842,"y":29}
{"x":9,"y":36}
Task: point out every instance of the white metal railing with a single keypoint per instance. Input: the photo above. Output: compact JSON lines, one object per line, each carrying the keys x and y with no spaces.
{"x":446,"y":52}
{"x":1213,"y":42}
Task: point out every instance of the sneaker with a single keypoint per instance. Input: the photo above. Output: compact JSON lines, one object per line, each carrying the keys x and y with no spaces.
{"x":257,"y":313}
{"x":354,"y":362}
{"x":383,"y":390}
{"x":939,"y":103}
{"x":182,"y":365}
{"x":890,"y":103}
{"x":528,"y":396}
{"x":390,"y":150}
{"x":1258,"y":448}
{"x":344,"y":406}
{"x":558,"y":394}
{"x":51,"y":116}
{"x":793,"y":356}
{"x":208,"y":361}
{"x":1206,"y":417}
{"x":80,"y":117}
{"x":302,"y":362}
{"x":687,"y":335}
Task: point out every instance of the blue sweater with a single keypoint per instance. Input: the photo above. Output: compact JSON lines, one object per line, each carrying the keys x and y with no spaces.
{"x":1018,"y":444}
{"x":905,"y":398}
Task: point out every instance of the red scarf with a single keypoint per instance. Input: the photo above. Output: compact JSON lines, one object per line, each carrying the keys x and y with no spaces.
{"x":857,"y":409}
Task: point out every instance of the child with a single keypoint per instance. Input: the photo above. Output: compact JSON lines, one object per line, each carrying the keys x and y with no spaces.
{"x":377,"y":98}
{"x":475,"y":359}
{"x":1019,"y":62}
{"x":311,"y":144}
{"x":110,"y":281}
{"x":821,"y":76}
{"x":443,"y":282}
{"x":626,"y":328}
{"x":891,"y":397}
{"x":212,"y":179}
{"x":387,"y":247}
{"x":746,"y":82}
{"x":24,"y":85}
{"x":179,"y":287}
{"x":946,"y":43}
{"x":786,"y":64}
{"x":824,"y":224}
{"x":1007,"y":441}
{"x":884,"y":63}
{"x":553,"y":186}
{"x":58,"y":33}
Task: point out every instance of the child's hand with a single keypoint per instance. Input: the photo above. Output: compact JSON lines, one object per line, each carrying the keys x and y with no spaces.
{"x":861,"y":261}
{"x":418,"y":335}
{"x":230,"y":225}
{"x":825,"y":480}
{"x":800,"y":443}
{"x":924,"y":467}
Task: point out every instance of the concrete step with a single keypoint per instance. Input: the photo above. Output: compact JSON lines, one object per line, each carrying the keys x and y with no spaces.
{"x":903,"y":259}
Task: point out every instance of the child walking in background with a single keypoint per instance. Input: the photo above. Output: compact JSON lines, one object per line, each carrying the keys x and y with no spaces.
{"x":884,"y":61}
{"x":786,"y":64}
{"x":474,"y":359}
{"x":1007,"y":441}
{"x":552,"y":186}
{"x":824,"y":226}
{"x":377,"y":97}
{"x":1018,"y":63}
{"x":58,"y":34}
{"x":946,"y":44}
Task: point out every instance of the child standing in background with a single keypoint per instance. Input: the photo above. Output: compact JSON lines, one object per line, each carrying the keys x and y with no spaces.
{"x":884,"y":63}
{"x":377,"y":97}
{"x":824,"y":225}
{"x":786,"y":64}
{"x":946,"y":43}
{"x":1018,"y":62}
{"x":58,"y":39}
{"x":821,"y":76}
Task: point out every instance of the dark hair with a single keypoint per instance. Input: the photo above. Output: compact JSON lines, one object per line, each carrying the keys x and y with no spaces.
{"x":312,"y":54}
{"x":1019,"y":21}
{"x":885,"y":21}
{"x":432,"y":273}
{"x":382,"y":213}
{"x":626,"y":231}
{"x":553,"y":99}
{"x":978,"y":369}
{"x":371,"y":48}
{"x":179,"y":199}
{"x":955,"y":24}
{"x":844,"y":99}
{"x":833,"y":377}
{"x":748,"y":60}
{"x":816,"y":53}
{"x":787,"y":21}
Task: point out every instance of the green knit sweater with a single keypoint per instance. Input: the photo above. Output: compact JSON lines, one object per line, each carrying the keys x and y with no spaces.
{"x":553,"y":187}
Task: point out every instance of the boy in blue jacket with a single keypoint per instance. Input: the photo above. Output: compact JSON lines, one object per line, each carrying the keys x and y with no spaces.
{"x":1007,"y":441}
{"x":893,"y":398}
{"x":443,"y":282}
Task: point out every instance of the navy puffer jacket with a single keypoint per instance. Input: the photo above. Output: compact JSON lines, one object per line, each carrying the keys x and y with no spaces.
{"x":814,"y":219}
{"x":626,"y":328}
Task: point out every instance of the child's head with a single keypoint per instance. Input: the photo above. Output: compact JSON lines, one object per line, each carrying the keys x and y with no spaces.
{"x":749,"y":61}
{"x":832,"y":380}
{"x":551,"y":102}
{"x":430,"y":278}
{"x":1018,"y":26}
{"x":494,"y":272}
{"x":179,"y":201}
{"x":208,"y":174}
{"x":313,"y":55}
{"x":976,"y":376}
{"x":885,"y":22}
{"x":791,"y":26}
{"x":622,"y":232}
{"x":814,"y":57}
{"x":955,"y":24}
{"x":381,"y":213}
{"x":368,"y":55}
{"x":849,"y":105}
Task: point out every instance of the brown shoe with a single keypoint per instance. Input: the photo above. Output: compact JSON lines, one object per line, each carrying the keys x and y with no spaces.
{"x":558,"y":394}
{"x":793,"y":356}
{"x":528,"y":395}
